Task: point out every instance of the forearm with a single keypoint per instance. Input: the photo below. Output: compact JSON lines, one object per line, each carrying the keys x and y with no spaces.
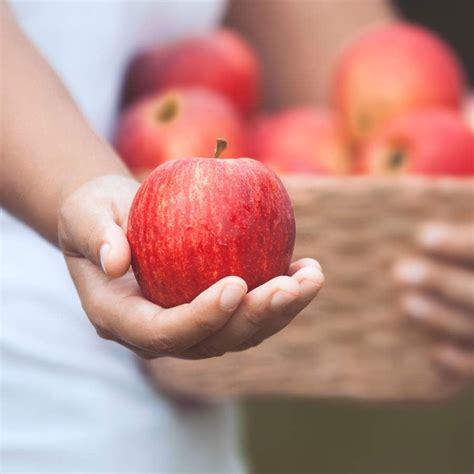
{"x":299,"y":40}
{"x":48,"y":149}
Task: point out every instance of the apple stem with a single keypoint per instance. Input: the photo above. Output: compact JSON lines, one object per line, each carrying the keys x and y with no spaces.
{"x":221,"y":145}
{"x":396,"y":159}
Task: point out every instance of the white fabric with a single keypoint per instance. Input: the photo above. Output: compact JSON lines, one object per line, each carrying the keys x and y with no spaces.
{"x":72,"y":402}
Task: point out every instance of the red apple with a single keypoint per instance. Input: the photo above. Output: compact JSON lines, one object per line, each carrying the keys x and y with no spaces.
{"x":222,"y":61}
{"x":181,"y":122}
{"x":426,"y":142}
{"x":196,"y":220}
{"x":392,"y":69}
{"x":302,"y":140}
{"x":469,"y":110}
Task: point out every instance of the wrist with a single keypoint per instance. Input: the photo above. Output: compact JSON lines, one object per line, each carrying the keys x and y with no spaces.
{"x":105,"y":163}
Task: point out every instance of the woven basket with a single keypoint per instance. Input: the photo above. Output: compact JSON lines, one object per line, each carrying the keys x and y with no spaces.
{"x":352,"y":341}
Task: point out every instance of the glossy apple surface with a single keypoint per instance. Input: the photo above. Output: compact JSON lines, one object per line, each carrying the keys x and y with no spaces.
{"x":302,"y":140}
{"x":392,"y":69}
{"x":196,"y":220}
{"x":433,"y":142}
{"x":181,"y":122}
{"x":222,"y":61}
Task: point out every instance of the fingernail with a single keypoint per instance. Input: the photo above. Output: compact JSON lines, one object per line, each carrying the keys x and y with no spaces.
{"x":281,"y":299}
{"x":416,"y":306}
{"x":311,"y":263}
{"x":311,"y":274}
{"x":231,"y":297}
{"x":431,"y":236}
{"x":104,"y":250}
{"x":411,"y":271}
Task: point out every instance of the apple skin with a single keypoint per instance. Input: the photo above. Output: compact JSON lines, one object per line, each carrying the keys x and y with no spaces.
{"x":392,"y":69}
{"x":469,"y":110}
{"x":180,"y":122}
{"x":433,"y":142}
{"x":196,"y":220}
{"x":301,"y":140}
{"x":222,"y":61}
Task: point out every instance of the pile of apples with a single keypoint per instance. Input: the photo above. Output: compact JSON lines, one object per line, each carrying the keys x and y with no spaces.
{"x":398,"y":95}
{"x":398,"y":106}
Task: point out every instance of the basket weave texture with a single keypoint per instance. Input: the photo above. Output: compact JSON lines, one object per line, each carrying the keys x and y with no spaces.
{"x":352,"y":342}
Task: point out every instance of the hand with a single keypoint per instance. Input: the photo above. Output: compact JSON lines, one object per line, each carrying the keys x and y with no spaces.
{"x":92,"y":235}
{"x":440,"y":293}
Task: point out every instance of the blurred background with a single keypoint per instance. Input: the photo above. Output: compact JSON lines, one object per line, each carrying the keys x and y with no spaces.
{"x":358,"y":438}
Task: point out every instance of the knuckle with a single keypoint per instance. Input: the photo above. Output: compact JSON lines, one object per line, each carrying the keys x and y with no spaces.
{"x":254,"y":320}
{"x":163,"y":344}
{"x":250,"y":343}
{"x":208,"y":326}
{"x":104,"y":334}
{"x":207,"y":351}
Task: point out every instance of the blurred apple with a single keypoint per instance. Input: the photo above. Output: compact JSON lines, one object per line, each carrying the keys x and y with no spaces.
{"x":427,"y":142}
{"x":302,"y":140}
{"x":222,"y":61}
{"x":179,"y":123}
{"x":469,"y":110}
{"x":392,"y":69}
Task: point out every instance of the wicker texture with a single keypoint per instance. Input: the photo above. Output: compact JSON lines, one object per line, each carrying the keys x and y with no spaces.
{"x":352,"y":342}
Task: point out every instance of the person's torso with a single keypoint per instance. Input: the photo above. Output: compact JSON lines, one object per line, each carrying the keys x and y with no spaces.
{"x":89,"y":43}
{"x":72,"y":401}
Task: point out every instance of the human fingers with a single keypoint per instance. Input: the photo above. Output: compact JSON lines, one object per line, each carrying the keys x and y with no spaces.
{"x":453,"y":283}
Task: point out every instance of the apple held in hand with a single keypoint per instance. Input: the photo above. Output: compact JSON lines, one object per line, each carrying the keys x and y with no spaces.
{"x":303,"y":140}
{"x":427,"y":142}
{"x":392,"y":69}
{"x":221,"y":61}
{"x":196,"y":220}
{"x":181,"y":122}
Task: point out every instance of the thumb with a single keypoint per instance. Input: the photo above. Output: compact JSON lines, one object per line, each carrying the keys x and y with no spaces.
{"x":92,"y":222}
{"x":114,"y":251}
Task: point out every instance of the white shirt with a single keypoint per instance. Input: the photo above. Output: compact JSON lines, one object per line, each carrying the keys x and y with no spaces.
{"x":72,"y":402}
